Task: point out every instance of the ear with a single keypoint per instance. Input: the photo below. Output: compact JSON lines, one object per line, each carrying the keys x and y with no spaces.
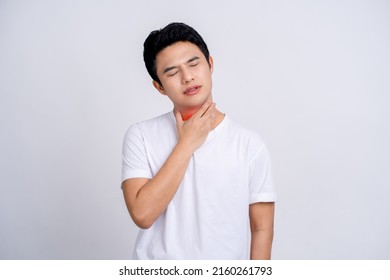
{"x":211,"y":63}
{"x":159,"y":87}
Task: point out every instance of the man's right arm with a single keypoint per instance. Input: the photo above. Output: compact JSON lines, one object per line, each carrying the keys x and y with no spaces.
{"x":147,"y":199}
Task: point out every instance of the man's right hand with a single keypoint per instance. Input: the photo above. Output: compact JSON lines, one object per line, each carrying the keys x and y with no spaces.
{"x":147,"y":199}
{"x":193,"y":132}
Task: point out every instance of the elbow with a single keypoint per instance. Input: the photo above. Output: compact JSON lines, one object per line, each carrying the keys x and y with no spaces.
{"x":263,"y":231}
{"x":142,"y":220}
{"x":141,"y":216}
{"x":143,"y":224}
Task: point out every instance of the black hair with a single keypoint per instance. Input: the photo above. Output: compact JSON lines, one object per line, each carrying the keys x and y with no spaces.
{"x":170,"y":34}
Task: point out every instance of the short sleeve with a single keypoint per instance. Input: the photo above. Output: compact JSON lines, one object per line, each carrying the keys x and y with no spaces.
{"x":134,"y":157}
{"x":261,"y":186}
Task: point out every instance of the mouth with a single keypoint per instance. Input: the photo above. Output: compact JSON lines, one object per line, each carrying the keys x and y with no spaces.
{"x":192,"y":90}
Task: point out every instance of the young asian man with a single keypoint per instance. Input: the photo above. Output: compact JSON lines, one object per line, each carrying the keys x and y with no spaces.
{"x":194,"y":181}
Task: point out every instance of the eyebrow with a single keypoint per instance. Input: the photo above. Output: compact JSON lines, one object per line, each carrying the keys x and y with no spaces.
{"x":173,"y":67}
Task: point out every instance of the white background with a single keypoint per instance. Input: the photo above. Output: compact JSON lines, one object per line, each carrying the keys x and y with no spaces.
{"x":312,"y":77}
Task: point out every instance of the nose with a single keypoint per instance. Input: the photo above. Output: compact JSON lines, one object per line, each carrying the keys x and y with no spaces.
{"x":187,"y":76}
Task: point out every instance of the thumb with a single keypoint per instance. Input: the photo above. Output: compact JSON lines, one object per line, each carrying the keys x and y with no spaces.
{"x":179,"y":119}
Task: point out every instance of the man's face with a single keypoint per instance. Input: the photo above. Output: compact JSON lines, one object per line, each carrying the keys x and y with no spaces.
{"x":185,"y":76}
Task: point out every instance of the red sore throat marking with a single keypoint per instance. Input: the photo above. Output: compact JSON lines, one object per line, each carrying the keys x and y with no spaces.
{"x":186,"y":117}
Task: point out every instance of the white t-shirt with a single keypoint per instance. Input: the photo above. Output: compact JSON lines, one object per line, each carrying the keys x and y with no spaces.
{"x":208,"y":218}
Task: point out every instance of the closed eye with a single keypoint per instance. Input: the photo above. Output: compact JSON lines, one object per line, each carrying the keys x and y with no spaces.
{"x":172,"y":74}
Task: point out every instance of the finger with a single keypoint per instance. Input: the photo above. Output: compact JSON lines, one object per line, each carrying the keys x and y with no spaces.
{"x":212,"y":117}
{"x":178,"y":117}
{"x":210,"y":120}
{"x":203,"y":109}
{"x":209,"y":110}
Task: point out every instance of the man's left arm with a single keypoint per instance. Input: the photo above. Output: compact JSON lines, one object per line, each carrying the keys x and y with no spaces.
{"x":261,"y":215}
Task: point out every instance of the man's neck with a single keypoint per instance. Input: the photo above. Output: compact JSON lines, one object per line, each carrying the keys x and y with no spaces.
{"x":188,"y":114}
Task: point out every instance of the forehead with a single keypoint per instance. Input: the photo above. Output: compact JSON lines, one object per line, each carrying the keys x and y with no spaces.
{"x":177,"y":53}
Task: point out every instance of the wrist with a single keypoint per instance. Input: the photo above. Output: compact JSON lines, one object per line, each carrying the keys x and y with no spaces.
{"x":184,"y":149}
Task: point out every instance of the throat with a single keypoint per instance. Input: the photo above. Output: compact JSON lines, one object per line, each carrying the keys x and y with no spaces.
{"x":186,"y":115}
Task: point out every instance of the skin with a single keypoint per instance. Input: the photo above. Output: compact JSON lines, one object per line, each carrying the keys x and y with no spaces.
{"x":180,"y":66}
{"x":185,"y":77}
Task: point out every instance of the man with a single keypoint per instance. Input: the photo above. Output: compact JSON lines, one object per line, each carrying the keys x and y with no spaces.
{"x":192,"y":177}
